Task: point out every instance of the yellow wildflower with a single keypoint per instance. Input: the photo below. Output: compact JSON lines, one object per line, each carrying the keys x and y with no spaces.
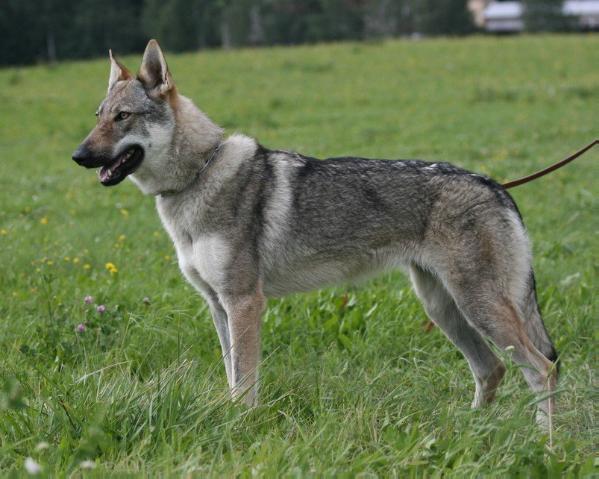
{"x":67,"y":258}
{"x":124,"y":212}
{"x":44,"y":221}
{"x":3,"y":232}
{"x":75,"y":260}
{"x":122,"y":238}
{"x":111,"y":268}
{"x":87,"y":266}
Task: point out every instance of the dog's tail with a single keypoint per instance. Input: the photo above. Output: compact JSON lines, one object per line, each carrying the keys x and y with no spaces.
{"x":535,"y":327}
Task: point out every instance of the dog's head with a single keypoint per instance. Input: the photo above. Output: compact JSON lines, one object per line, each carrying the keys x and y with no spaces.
{"x":135,"y":122}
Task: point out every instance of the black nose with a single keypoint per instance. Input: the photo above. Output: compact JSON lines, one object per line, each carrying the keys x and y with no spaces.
{"x":85,"y":157}
{"x":81,"y":155}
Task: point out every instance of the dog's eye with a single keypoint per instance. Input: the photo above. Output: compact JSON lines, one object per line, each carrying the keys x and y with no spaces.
{"x":123,"y":115}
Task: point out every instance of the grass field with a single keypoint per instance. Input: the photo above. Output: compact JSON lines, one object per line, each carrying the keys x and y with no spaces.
{"x":349,"y":388}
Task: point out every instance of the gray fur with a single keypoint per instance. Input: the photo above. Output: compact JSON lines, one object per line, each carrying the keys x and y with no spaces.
{"x":249,"y":223}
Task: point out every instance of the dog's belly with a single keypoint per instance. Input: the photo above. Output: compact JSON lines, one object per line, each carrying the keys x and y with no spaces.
{"x":310,"y":273}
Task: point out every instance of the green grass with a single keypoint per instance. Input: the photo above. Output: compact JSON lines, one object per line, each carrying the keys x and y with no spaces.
{"x":347,"y":389}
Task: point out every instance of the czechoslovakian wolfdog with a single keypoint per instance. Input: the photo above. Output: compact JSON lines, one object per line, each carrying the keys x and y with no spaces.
{"x":248,"y":223}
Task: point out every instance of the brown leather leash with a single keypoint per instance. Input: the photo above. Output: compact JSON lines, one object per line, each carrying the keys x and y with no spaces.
{"x":429,"y":325}
{"x":549,"y":169}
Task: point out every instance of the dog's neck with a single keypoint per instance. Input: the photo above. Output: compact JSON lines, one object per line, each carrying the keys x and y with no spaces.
{"x":195,"y":139}
{"x":195,"y":176}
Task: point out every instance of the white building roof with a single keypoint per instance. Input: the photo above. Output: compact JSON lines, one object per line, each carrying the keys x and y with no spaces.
{"x":581,"y":7}
{"x":503,"y":10}
{"x":509,"y":16}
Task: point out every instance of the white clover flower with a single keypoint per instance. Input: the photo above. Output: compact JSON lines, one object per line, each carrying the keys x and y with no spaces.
{"x":32,"y":467}
{"x":87,"y":464}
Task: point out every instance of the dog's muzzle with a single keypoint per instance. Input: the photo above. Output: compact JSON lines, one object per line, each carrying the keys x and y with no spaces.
{"x":113,"y":170}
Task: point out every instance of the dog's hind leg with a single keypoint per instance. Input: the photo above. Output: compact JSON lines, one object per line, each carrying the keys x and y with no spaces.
{"x":535,"y":327}
{"x":500,"y":319}
{"x":483,"y":259}
{"x":486,"y":367}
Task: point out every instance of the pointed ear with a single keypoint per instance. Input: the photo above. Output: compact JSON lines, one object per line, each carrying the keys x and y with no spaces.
{"x":117,"y":71}
{"x":153,"y":73}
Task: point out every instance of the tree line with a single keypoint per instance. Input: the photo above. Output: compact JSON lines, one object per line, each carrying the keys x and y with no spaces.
{"x":48,"y":30}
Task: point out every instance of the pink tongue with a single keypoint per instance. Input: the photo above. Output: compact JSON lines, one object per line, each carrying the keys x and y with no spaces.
{"x":106,"y":169}
{"x":103,"y":174}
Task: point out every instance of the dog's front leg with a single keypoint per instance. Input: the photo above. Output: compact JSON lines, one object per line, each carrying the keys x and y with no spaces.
{"x":244,"y":313}
{"x":219,"y":315}
{"x":221,"y":323}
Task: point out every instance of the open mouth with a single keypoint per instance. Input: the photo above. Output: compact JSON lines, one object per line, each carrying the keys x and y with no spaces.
{"x":125,"y":164}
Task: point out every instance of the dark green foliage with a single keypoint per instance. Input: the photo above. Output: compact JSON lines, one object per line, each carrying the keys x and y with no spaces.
{"x":50,"y":30}
{"x":544,"y":16}
{"x":21,"y":38}
{"x":32,"y":31}
{"x":443,"y":17}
